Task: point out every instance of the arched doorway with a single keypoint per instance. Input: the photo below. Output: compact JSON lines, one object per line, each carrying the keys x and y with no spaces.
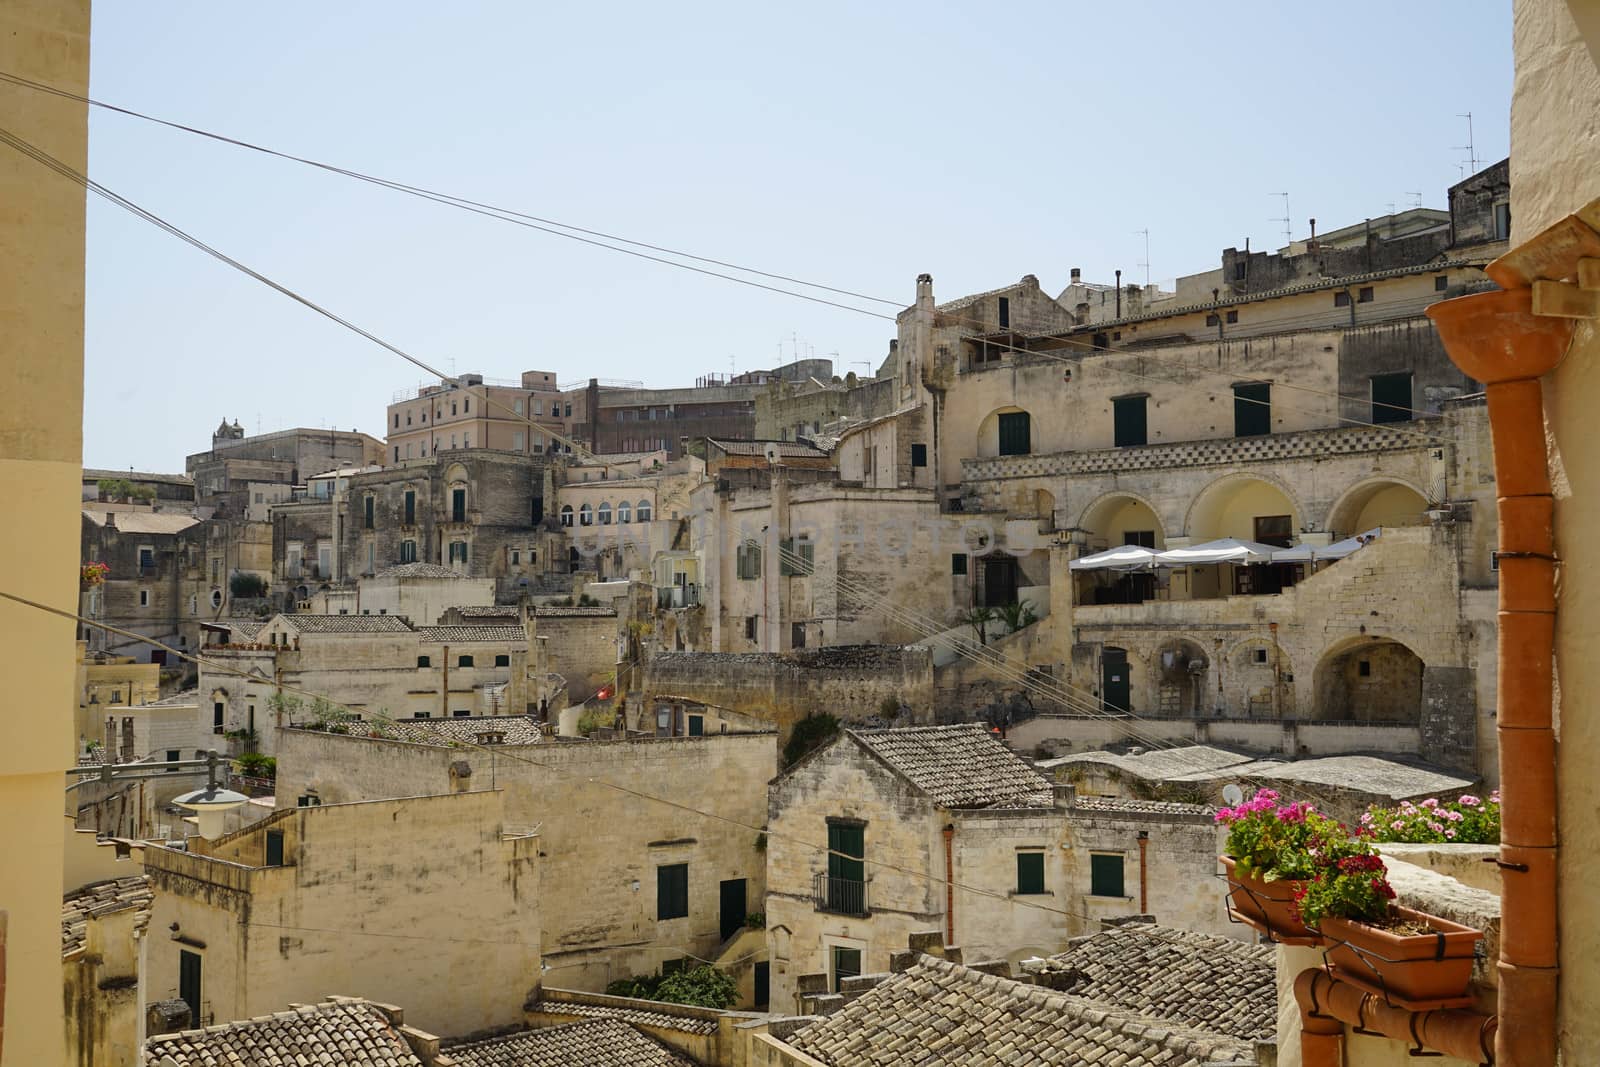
{"x":1380,"y":502}
{"x":1372,"y":679}
{"x":1121,"y":519}
{"x":998,"y":580}
{"x":1245,"y":507}
{"x":1006,"y":431}
{"x":1183,"y":669}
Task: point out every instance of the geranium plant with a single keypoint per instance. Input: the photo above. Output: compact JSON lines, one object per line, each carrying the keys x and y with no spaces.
{"x":1469,"y":820}
{"x":1270,"y":841}
{"x":1351,"y":882}
{"x":92,"y":574}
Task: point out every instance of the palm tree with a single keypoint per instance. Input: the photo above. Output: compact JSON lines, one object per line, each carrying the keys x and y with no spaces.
{"x":979,"y":619}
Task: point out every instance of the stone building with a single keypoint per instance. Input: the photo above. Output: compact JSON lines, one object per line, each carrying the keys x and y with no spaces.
{"x":103,"y":936}
{"x":473,"y":412}
{"x":629,"y":884}
{"x":163,"y":490}
{"x":866,"y":831}
{"x":237,"y":465}
{"x":314,"y":896}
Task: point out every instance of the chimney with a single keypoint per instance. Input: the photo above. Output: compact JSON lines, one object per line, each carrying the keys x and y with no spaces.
{"x":1119,"y":294}
{"x":1313,"y":242}
{"x":111,"y":520}
{"x":925,"y":289}
{"x":1077,"y":276}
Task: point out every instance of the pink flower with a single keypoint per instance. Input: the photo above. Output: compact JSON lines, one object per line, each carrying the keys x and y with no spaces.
{"x":1366,"y":818}
{"x":1431,"y":802}
{"x":1436,"y":827}
{"x":1454,"y":816}
{"x":1398,"y":824}
{"x":1450,"y":831}
{"x":1470,"y":801}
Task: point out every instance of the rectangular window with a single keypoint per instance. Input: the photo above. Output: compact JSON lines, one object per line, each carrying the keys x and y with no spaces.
{"x":919,"y":455}
{"x":1211,"y":319}
{"x":463,"y":661}
{"x":1341,"y":299}
{"x":1129,"y":428}
{"x":958,"y":563}
{"x":458,"y":552}
{"x":408,"y":551}
{"x":1233,"y":316}
{"x":1441,"y":283}
{"x":516,"y":557}
{"x":1502,"y":222}
{"x":189,"y":984}
{"x":424,"y":661}
{"x":1364,"y":295}
{"x":502,"y":661}
{"x":697,"y":726}
{"x":144,"y":598}
{"x":1274,"y":530}
{"x":458,"y":505}
{"x":846,"y":964}
{"x":462,"y":713}
{"x":1364,"y":668}
{"x":1015,"y":434}
{"x":366,"y":513}
{"x":147,"y":558}
{"x":1391,"y":397}
{"x":1105,"y":874}
{"x":1005,"y":313}
{"x":517,"y":441}
{"x":397,"y":453}
{"x":411,"y":507}
{"x":797,"y":558}
{"x":1030,"y":873}
{"x":797,"y":635}
{"x":672,"y":891}
{"x":747,"y":560}
{"x":1142,"y":538}
{"x":847,"y":868}
{"x":274,"y":848}
{"x":1252,"y":409}
{"x":750,"y":627}
{"x":216,"y":717}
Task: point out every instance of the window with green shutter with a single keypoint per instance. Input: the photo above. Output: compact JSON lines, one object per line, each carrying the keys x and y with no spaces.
{"x":747,"y":560}
{"x":1030,"y":873}
{"x":1105,"y":874}
{"x":1015,"y":434}
{"x":672,"y":891}
{"x":797,"y":558}
{"x":1391,"y":397}
{"x":1252,"y":409}
{"x":1129,"y":428}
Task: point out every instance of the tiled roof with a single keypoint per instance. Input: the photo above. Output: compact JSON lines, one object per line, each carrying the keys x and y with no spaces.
{"x":488,"y":611}
{"x":247,"y":627}
{"x":759,"y":448}
{"x":970,"y":299}
{"x":453,"y":634}
{"x":518,"y":729}
{"x":177,"y":700}
{"x":659,"y":1019}
{"x":959,"y":766}
{"x":943,"y":1013}
{"x":349,"y":1033}
{"x":573,"y":612}
{"x":347,"y":624}
{"x":591,"y":1043}
{"x":418,"y":570}
{"x":143,"y":522}
{"x":1211,"y":983}
{"x":93,"y":474}
{"x":1142,"y":807}
{"x":102,"y":898}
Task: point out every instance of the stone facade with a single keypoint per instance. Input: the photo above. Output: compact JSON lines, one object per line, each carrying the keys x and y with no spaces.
{"x":431,"y":901}
{"x":603,"y":837}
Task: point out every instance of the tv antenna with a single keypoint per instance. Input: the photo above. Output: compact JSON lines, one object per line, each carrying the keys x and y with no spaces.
{"x":1145,"y":263}
{"x":1288,"y":237}
{"x":1416,"y":199}
{"x":1470,"y":148}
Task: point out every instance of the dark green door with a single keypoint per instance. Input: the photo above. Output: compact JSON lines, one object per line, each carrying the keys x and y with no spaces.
{"x":274,"y":848}
{"x":1114,"y":683}
{"x":847,"y":873}
{"x":846,"y":964}
{"x":189,"y":984}
{"x":733,"y":907}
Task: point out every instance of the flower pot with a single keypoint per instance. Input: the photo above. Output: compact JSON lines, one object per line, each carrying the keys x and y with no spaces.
{"x":1266,"y":906}
{"x":1411,"y":970}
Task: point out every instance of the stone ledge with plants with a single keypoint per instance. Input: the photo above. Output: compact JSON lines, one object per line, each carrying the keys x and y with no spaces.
{"x":1304,"y":878}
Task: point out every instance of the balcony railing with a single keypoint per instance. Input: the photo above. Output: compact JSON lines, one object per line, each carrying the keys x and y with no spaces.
{"x":677,"y":596}
{"x":842,"y":896}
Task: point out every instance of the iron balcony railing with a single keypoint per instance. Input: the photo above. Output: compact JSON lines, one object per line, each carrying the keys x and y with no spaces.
{"x":677,"y":596}
{"x":843,"y":896}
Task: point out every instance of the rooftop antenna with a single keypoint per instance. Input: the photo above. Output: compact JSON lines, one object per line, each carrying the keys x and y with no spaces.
{"x":1470,"y":148}
{"x":1145,"y":263}
{"x":1288,"y":237}
{"x":1416,"y":199}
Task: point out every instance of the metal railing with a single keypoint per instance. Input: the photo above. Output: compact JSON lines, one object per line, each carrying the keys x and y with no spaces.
{"x":842,"y":896}
{"x":677,"y":596}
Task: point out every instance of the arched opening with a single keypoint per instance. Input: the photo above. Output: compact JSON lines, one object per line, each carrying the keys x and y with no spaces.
{"x":605,"y":513}
{"x":1112,"y":522}
{"x":1260,"y":680}
{"x":1370,"y":680}
{"x":1244,"y":507}
{"x":1376,"y":503}
{"x":624,"y":513}
{"x":1006,"y":432}
{"x":642,"y":510}
{"x":1044,"y":509}
{"x":566,"y":514}
{"x":586,"y":515}
{"x":1182,"y":670}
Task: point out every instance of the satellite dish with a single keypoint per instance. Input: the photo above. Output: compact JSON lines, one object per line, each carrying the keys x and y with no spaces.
{"x":1233,"y":794}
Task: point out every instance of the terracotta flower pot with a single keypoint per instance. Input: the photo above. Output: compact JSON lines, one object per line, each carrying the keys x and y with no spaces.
{"x":1266,"y":906}
{"x":1416,"y":969}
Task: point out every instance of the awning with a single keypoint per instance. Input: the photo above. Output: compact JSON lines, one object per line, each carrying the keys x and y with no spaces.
{"x":1337,"y":550}
{"x":1121,"y":558}
{"x":1224,"y":550}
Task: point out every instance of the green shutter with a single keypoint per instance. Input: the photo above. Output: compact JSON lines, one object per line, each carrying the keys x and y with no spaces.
{"x":1128,"y":416}
{"x":1105,"y":876}
{"x":1252,"y":409}
{"x":1391,"y":397}
{"x":851,"y":842}
{"x":672,"y":891}
{"x":1030,"y":872}
{"x":1015,"y":434}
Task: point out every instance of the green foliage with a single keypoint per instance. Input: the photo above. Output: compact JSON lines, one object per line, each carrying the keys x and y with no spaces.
{"x":1352,"y":884}
{"x":1470,"y":820}
{"x":246,"y":736}
{"x":756,"y":920}
{"x":596,"y":717}
{"x":587,"y":601}
{"x":246,"y":586}
{"x":889,"y":707}
{"x":115,"y":489}
{"x":979,"y":619}
{"x":810,"y":733}
{"x":1018,"y":614}
{"x":1271,"y":842}
{"x":255,"y":765}
{"x":703,"y":986}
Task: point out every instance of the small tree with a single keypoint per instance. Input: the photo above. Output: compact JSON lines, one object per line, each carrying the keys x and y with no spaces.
{"x":979,"y":619}
{"x":114,"y":489}
{"x":245,"y":586}
{"x":810,"y":733}
{"x":1018,"y":614}
{"x":703,"y":986}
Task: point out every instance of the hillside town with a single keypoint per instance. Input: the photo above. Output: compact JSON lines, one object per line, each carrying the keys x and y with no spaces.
{"x":1105,"y":673}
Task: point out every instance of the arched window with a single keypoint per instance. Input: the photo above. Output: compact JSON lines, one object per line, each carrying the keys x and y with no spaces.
{"x":605,"y":513}
{"x":624,"y":513}
{"x":586,"y":515}
{"x":643,"y":510}
{"x":566,"y":514}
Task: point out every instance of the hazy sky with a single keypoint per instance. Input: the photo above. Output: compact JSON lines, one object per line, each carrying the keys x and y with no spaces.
{"x":854,"y":145}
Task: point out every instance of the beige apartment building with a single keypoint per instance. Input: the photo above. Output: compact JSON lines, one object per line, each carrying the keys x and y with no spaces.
{"x":474,"y":412}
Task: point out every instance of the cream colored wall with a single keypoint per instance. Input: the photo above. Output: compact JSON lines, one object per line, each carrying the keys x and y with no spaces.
{"x":1230,"y":508}
{"x":991,"y":920}
{"x":41,"y":466}
{"x":423,"y":600}
{"x":1555,"y":126}
{"x":90,"y":860}
{"x":420,"y":902}
{"x":112,"y":683}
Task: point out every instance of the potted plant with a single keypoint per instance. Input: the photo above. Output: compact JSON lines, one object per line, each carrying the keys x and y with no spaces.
{"x":1269,"y":858}
{"x":1412,"y":959}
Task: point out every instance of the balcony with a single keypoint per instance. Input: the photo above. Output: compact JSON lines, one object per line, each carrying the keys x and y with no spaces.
{"x":677,"y":596}
{"x":841,"y":896}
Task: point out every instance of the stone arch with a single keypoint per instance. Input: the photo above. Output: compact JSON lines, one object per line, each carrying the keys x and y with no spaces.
{"x":1182,"y":669}
{"x":456,"y":473}
{"x":1369,"y":678}
{"x":1381,"y":500}
{"x":1259,"y":679}
{"x":989,"y":431}
{"x":1229,"y":506}
{"x":1112,"y":514}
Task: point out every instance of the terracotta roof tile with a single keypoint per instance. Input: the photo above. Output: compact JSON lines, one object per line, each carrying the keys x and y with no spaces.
{"x":959,"y":766}
{"x":659,"y":1019}
{"x":453,"y":634}
{"x":102,"y":898}
{"x":418,"y":570}
{"x":350,"y":1033}
{"x":347,"y":624}
{"x":591,"y":1043}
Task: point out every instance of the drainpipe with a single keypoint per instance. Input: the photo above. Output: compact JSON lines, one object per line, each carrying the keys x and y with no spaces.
{"x":949,"y":886}
{"x":1496,"y":338}
{"x":1328,"y":1005}
{"x":444,"y":690}
{"x":1144,"y":883}
{"x":1119,"y":294}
